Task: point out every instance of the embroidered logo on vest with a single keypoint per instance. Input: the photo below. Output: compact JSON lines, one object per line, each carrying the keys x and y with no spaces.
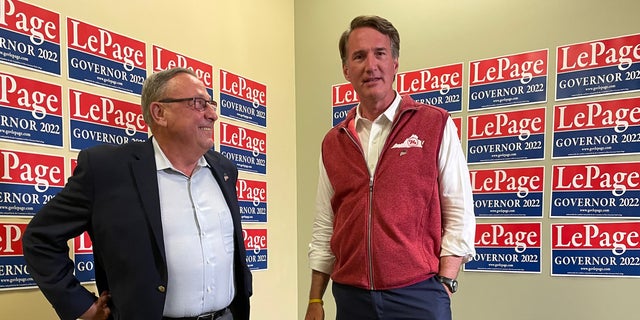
{"x":411,"y":142}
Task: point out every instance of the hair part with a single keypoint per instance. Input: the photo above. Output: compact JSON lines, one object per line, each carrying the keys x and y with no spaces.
{"x":154,"y":88}
{"x":380,"y":24}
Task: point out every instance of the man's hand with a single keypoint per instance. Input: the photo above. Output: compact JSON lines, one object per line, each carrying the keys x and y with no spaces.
{"x":315,"y":311}
{"x":99,"y":310}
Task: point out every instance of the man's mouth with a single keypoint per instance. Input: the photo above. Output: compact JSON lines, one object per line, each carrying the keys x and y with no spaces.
{"x":369,"y":80}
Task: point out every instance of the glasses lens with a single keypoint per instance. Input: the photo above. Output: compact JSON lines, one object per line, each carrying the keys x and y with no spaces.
{"x":199,"y":104}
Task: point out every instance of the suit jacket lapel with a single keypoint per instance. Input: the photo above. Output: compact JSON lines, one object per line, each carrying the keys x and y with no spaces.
{"x":143,"y":168}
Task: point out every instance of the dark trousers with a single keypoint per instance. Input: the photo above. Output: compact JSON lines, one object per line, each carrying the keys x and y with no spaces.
{"x":426,"y":300}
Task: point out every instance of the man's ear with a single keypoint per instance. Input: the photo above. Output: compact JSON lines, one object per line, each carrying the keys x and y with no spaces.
{"x":158,"y":113}
{"x":345,"y":72}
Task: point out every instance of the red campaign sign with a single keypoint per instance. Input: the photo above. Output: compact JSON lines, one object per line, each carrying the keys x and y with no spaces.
{"x":620,"y":52}
{"x":522,"y":123}
{"x":37,"y":23}
{"x":255,"y":239}
{"x":616,"y":236}
{"x":242,"y":138}
{"x":251,"y":190}
{"x":343,"y":94}
{"x":102,"y":110}
{"x":441,"y":79}
{"x":164,"y":59}
{"x":243,"y":88}
{"x":40,"y":170}
{"x":41,"y":98}
{"x":615,"y":177}
{"x":508,"y":235}
{"x":82,"y":244}
{"x":522,"y":66}
{"x":100,"y":42}
{"x":508,"y":180}
{"x":618,"y":114}
{"x":11,"y":239}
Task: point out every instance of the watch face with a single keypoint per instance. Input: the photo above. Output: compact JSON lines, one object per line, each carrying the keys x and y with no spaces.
{"x":454,"y":286}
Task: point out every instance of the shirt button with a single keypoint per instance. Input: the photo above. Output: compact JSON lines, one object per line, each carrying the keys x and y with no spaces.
{"x":162,"y":289}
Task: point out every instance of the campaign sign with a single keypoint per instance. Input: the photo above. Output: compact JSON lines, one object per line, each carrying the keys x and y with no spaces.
{"x":13,"y":268}
{"x":101,"y":120}
{"x":437,"y":86}
{"x":343,"y":99}
{"x":245,"y":147}
{"x":243,"y":99}
{"x":605,"y":190}
{"x":104,"y":58}
{"x":507,"y":136}
{"x":508,"y":80}
{"x":252,"y":198}
{"x":512,"y":192}
{"x":29,"y":36}
{"x":598,"y":67}
{"x":83,"y":258}
{"x":507,"y":247}
{"x":30,"y":111}
{"x":164,"y":59}
{"x":610,"y":249}
{"x":28,"y":181}
{"x":597,"y":128}
{"x":255,"y":242}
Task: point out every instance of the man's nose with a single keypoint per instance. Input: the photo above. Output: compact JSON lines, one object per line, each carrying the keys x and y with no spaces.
{"x":370,"y":62}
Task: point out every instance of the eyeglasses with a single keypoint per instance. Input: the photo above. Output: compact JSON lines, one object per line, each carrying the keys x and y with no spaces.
{"x":197,"y":103}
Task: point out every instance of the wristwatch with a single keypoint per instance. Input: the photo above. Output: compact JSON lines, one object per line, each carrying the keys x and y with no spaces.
{"x":452,"y":284}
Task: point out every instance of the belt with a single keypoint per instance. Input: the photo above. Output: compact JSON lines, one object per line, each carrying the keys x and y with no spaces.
{"x":205,"y":316}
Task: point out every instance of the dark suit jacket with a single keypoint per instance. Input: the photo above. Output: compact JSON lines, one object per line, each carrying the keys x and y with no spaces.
{"x":113,"y":194}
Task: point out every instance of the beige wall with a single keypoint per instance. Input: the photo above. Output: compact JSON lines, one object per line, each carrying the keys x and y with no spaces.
{"x":253,"y":39}
{"x":435,"y":33}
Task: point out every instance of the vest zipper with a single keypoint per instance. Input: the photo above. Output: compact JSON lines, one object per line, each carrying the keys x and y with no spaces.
{"x":370,"y":213}
{"x":369,"y":238}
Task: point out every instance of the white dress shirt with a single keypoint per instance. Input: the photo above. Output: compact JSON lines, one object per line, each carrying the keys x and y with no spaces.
{"x":456,"y":199}
{"x":198,"y":240}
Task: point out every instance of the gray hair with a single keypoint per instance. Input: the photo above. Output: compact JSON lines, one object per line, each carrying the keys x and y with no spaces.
{"x":154,"y":88}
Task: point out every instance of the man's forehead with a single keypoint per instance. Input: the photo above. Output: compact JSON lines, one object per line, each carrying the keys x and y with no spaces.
{"x":359,"y":33}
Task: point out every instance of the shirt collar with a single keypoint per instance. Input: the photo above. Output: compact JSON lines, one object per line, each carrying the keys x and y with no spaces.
{"x":389,"y":114}
{"x":163,"y":163}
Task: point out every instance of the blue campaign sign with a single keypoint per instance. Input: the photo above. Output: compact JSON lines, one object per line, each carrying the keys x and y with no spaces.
{"x":12,"y":264}
{"x":599,"y":67}
{"x":507,"y":247}
{"x":104,"y":58}
{"x":609,"y":249}
{"x":508,"y":192}
{"x":246,"y":148}
{"x":343,"y":99}
{"x":340,"y":113}
{"x":593,"y":128}
{"x":506,"y":136}
{"x":438,"y":86}
{"x":29,"y":181}
{"x":607,"y":190}
{"x":30,"y":37}
{"x":255,"y":242}
{"x":508,"y":80}
{"x":243,"y":99}
{"x":85,"y":267}
{"x":31,"y":111}
{"x":252,"y":199}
